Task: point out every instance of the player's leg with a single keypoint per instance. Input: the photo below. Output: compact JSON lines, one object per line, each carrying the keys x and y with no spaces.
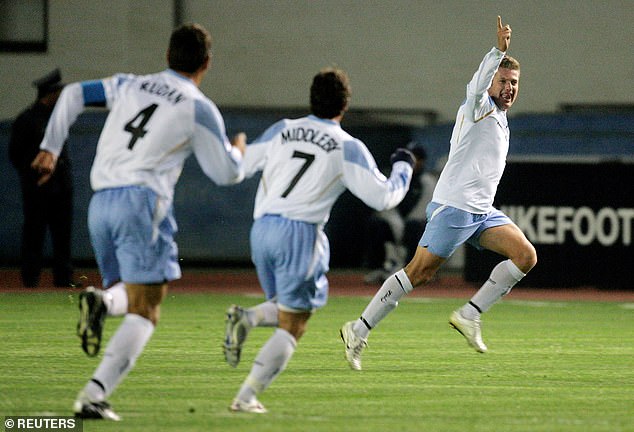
{"x":298,"y":253}
{"x":507,"y":240}
{"x":441,"y":238}
{"x":95,"y":304}
{"x":125,"y":346}
{"x":146,"y":253}
{"x":418,"y":271}
{"x":271,"y":360}
{"x":238,"y":320}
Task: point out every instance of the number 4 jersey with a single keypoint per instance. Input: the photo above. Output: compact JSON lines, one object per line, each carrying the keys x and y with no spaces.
{"x":155,"y":122}
{"x":307,"y":163}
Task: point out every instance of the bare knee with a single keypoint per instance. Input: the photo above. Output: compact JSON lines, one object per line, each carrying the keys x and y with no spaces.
{"x":419,"y":275}
{"x":294,"y":323}
{"x":422,"y":268}
{"x":145,"y":300}
{"x":525,"y":258}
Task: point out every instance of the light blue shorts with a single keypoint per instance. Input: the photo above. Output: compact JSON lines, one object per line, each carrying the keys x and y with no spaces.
{"x":449,"y":227}
{"x":291,"y":259}
{"x":132,"y":242}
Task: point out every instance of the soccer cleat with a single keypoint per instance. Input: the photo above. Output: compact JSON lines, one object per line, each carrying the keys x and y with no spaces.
{"x":85,"y":409}
{"x":254,"y":406}
{"x":92,"y":314}
{"x":470,"y":329}
{"x":353,"y":345}
{"x":236,"y":330}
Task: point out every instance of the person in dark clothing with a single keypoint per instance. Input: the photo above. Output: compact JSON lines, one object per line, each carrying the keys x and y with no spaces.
{"x":392,"y":235}
{"x":49,"y":206}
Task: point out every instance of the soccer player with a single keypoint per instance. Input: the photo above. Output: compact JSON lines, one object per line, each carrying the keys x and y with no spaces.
{"x":462,"y":207}
{"x":306,"y":164}
{"x":155,"y":122}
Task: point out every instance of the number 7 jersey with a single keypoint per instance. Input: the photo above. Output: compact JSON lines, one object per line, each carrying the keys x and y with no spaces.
{"x":155,"y":122}
{"x":307,"y":163}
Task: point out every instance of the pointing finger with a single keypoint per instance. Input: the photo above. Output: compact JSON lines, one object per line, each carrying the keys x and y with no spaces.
{"x":499,"y":22}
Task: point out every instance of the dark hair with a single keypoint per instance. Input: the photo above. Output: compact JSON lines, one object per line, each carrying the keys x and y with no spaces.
{"x":329,"y":93}
{"x":189,"y":48}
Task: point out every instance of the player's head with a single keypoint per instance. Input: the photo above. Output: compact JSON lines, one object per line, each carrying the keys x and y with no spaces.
{"x":189,"y":48}
{"x":506,"y":83}
{"x":330,"y":93}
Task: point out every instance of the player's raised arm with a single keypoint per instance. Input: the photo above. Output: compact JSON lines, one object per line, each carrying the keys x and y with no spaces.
{"x":504,"y":35}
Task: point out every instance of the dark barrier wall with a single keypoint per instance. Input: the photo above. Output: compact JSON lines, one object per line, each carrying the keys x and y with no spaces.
{"x":214,"y":222}
{"x":578,"y":214}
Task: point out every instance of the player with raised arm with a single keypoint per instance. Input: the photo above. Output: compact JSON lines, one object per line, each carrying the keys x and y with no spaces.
{"x":462,"y":207}
{"x":306,"y":164}
{"x":155,"y":122}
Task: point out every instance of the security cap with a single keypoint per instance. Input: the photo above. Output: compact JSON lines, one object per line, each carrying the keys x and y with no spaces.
{"x":48,"y":83}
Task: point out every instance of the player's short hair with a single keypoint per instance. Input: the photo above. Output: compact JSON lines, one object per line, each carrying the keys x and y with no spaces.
{"x":330,"y":93}
{"x":509,"y":62}
{"x":189,"y":48}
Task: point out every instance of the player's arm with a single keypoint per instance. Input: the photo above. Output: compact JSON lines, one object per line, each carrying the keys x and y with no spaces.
{"x":363,"y":178}
{"x":219,"y":158}
{"x":256,"y":154}
{"x":478,"y":102}
{"x":73,"y":99}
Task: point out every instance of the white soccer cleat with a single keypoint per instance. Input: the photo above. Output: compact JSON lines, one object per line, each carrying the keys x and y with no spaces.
{"x":236,"y":332}
{"x":353,"y":345}
{"x":254,"y":406}
{"x":470,"y":329}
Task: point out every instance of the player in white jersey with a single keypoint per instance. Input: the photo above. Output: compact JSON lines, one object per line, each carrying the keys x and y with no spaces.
{"x":462,"y":207}
{"x":306,"y":164}
{"x":155,"y":122}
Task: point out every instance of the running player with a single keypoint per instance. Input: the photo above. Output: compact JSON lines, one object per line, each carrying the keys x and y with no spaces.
{"x":155,"y":122}
{"x":306,"y":164}
{"x":462,"y":207}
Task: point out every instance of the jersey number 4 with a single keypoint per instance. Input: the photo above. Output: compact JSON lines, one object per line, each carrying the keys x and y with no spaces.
{"x":308,"y":159}
{"x":136,"y":126}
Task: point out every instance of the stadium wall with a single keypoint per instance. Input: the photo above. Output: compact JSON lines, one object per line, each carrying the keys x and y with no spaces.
{"x":399,"y":54}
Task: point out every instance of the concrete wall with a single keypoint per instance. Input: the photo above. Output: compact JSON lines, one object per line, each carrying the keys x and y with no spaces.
{"x":399,"y":53}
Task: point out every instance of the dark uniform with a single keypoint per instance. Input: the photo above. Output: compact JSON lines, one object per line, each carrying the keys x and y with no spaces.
{"x":47,"y":206}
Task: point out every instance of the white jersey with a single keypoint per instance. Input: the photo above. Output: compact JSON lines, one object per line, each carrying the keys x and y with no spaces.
{"x":155,"y":122}
{"x":479,"y":146}
{"x":307,"y":163}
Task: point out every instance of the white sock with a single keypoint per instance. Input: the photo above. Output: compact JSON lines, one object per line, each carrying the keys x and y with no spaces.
{"x":384,"y":301}
{"x":269,"y":363}
{"x":116,"y":299}
{"x":123,"y":349}
{"x":263,"y":315}
{"x":503,"y":278}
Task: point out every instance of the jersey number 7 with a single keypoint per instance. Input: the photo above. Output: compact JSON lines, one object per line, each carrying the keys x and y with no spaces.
{"x":309,"y":159}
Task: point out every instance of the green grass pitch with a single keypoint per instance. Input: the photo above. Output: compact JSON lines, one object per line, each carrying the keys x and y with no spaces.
{"x":551,"y":366}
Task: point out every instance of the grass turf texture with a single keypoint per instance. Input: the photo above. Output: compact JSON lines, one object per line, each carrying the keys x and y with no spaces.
{"x":552,"y":366}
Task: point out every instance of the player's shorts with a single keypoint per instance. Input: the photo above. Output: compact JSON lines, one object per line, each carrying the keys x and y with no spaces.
{"x":132,"y":235}
{"x":291,"y":259}
{"x":448,"y":227}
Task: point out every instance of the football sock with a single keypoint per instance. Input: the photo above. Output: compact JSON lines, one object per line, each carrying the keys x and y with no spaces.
{"x":268,"y":364}
{"x":503,"y":278}
{"x":263,"y":315}
{"x":116,"y":299}
{"x":123,"y":349}
{"x":384,"y":301}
